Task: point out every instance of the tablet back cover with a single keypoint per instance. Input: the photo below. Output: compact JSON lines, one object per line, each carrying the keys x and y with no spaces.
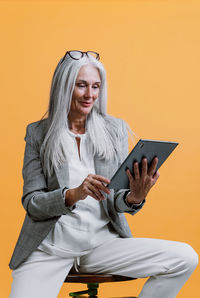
{"x":144,"y":148}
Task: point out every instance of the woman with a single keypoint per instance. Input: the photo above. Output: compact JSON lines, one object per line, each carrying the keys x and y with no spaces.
{"x":72,"y":218}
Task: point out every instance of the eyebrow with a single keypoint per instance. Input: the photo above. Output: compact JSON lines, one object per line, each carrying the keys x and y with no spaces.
{"x":86,"y":81}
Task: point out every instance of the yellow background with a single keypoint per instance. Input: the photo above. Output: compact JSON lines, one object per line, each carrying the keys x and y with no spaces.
{"x":150,"y":50}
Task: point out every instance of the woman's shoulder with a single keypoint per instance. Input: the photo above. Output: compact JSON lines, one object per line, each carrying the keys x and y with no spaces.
{"x":40,"y":124}
{"x":115,"y":122}
{"x":36,"y":130}
{"x":112,"y":119}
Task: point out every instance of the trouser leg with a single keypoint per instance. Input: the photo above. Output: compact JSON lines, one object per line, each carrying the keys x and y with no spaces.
{"x":41,"y":276}
{"x":168,"y":263}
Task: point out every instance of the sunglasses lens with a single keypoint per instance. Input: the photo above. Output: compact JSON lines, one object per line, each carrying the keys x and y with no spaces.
{"x":75,"y":54}
{"x":95,"y":55}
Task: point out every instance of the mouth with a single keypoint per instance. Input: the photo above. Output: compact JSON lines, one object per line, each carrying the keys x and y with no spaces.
{"x":85,"y":103}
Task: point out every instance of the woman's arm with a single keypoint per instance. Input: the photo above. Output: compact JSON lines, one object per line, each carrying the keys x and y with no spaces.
{"x":140,"y":183}
{"x":39,"y":203}
{"x":120,"y":196}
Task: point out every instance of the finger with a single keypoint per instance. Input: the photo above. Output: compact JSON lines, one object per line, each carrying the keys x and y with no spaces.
{"x":95,"y":190}
{"x":101,"y":178}
{"x":153,"y":166}
{"x":98,"y":184}
{"x":156,"y":176}
{"x":95,"y":193}
{"x":89,"y":192}
{"x":130,"y":177}
{"x":136,"y":170}
{"x":144,"y":167}
{"x":101,"y":186}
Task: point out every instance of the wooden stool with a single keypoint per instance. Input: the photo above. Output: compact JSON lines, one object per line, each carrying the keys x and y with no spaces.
{"x":93,"y":281}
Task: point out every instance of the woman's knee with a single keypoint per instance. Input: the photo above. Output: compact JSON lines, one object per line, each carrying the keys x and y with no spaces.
{"x":189,"y":256}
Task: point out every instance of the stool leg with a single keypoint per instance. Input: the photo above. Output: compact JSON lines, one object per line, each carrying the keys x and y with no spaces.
{"x":92,"y":291}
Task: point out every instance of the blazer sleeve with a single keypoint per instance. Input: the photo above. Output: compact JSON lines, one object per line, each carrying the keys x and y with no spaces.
{"x":120,"y":195}
{"x":39,"y":203}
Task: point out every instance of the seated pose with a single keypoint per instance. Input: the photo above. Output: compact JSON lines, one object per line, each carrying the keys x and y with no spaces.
{"x":73,"y":221}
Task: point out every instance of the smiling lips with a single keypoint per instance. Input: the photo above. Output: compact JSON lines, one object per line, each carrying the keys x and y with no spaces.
{"x":85,"y":103}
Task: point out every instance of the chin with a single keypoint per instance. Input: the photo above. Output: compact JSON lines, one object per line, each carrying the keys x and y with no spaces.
{"x":85,"y":111}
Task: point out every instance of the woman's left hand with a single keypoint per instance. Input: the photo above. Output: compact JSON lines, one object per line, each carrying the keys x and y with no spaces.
{"x":141,"y":183}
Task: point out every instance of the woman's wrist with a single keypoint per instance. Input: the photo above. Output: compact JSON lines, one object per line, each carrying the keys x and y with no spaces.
{"x":130,"y":200}
{"x":70,"y":197}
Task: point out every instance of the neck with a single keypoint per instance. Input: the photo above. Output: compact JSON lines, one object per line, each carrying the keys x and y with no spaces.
{"x":77,"y":123}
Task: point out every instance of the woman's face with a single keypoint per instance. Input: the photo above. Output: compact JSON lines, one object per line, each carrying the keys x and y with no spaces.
{"x":86,"y":90}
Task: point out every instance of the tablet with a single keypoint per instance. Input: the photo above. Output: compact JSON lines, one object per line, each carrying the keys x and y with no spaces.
{"x":144,"y":148}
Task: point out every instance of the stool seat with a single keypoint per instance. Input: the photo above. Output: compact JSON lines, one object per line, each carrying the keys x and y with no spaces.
{"x":92,"y":281}
{"x":95,"y":278}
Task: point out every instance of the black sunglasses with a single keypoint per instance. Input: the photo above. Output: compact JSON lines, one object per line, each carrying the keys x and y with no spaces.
{"x":76,"y":55}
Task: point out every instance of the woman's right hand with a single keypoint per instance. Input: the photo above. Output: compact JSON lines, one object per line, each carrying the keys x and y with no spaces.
{"x":92,"y":185}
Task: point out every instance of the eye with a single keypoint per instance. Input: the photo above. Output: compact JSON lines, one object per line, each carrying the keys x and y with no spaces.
{"x":96,"y":86}
{"x":81,"y":85}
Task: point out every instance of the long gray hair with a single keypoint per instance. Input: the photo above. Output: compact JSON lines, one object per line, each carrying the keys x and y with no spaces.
{"x":102,"y":141}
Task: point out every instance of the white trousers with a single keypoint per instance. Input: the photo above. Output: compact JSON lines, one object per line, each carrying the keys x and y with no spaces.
{"x":168,"y":264}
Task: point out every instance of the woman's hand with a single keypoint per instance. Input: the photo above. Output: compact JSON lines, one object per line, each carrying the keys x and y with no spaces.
{"x":140,"y":184}
{"x":92,"y":186}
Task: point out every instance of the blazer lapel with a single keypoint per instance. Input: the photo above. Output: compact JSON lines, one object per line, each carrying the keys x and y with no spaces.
{"x":102,"y":168}
{"x":62,"y":175}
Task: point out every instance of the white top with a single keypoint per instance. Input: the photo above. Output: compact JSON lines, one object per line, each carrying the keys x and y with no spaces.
{"x":87,"y":225}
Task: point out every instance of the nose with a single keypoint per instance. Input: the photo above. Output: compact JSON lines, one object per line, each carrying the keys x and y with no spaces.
{"x":89,"y":92}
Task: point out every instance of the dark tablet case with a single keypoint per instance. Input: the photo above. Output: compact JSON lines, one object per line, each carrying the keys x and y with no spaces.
{"x":144,"y":148}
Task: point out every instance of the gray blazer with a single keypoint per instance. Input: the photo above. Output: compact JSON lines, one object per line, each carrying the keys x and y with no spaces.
{"x":43,"y":198}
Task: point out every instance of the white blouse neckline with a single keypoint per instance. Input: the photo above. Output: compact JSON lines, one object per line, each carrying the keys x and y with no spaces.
{"x":80,"y":135}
